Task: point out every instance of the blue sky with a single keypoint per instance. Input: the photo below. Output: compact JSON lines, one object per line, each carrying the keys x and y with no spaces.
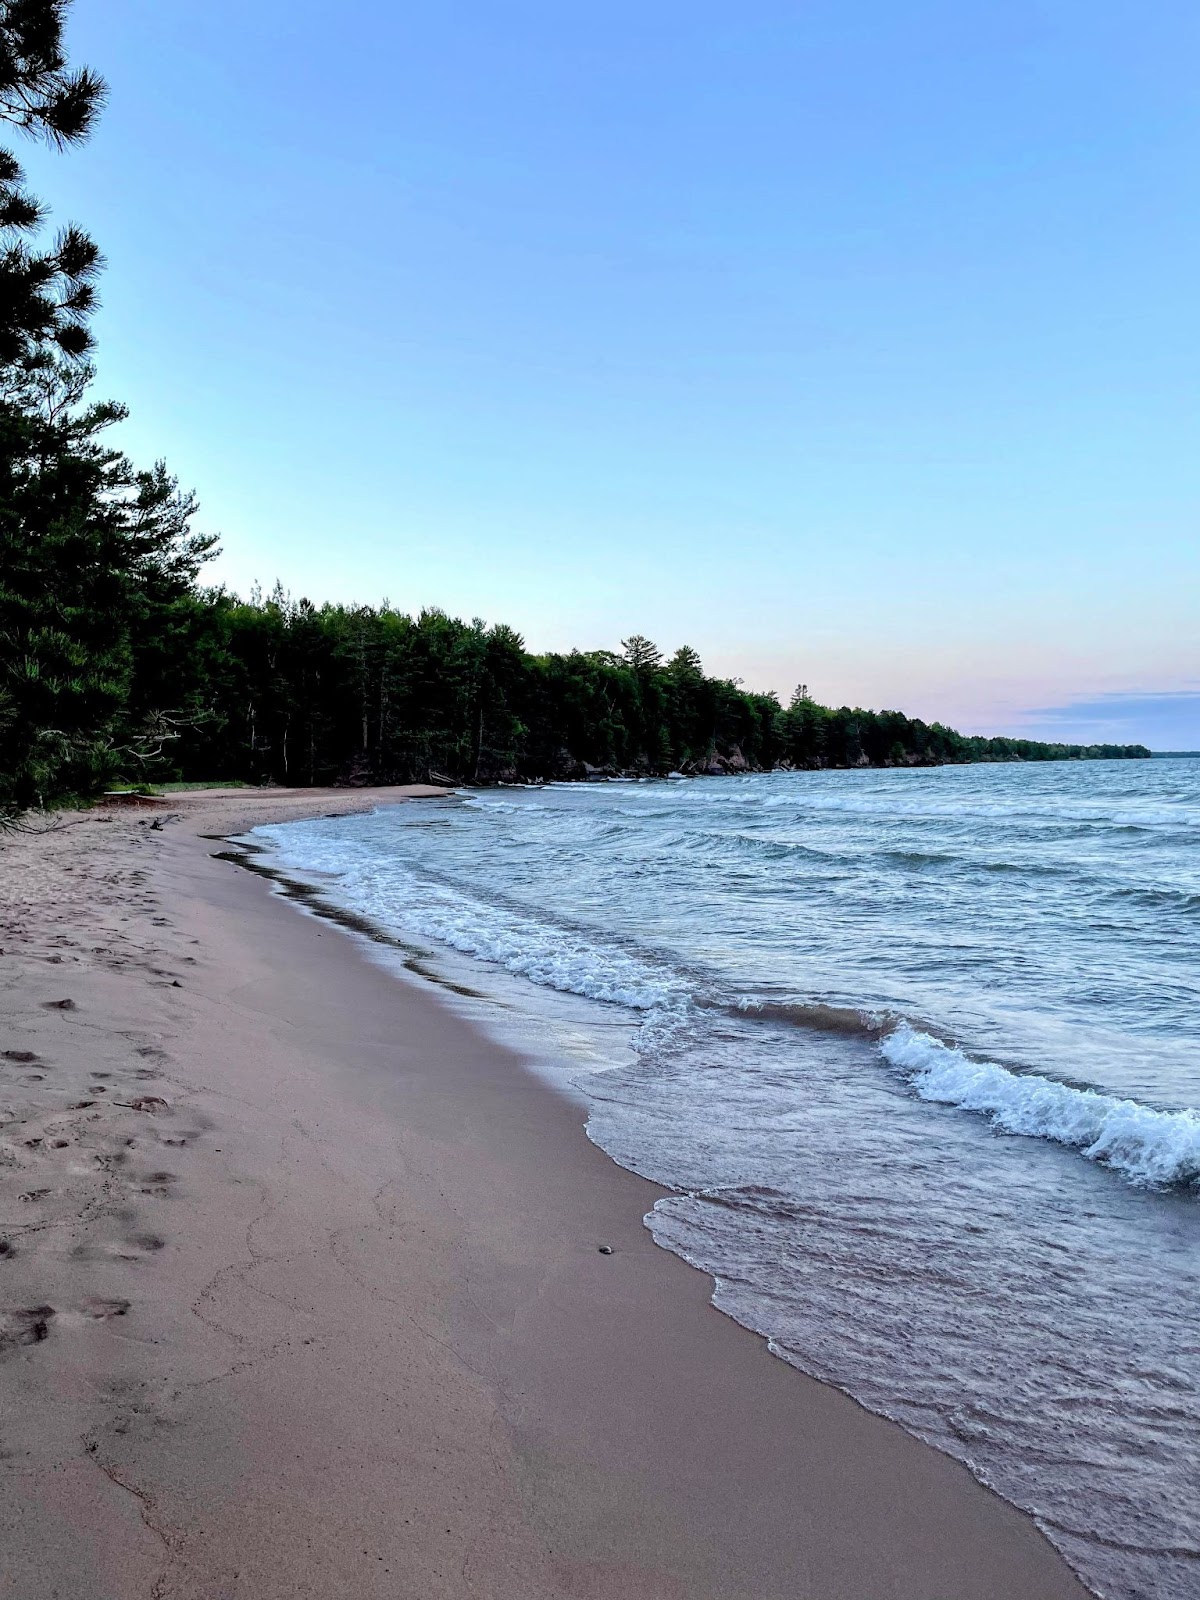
{"x":856,"y":344}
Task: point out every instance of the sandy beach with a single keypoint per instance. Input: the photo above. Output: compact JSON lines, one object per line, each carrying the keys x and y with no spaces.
{"x":301,"y":1290}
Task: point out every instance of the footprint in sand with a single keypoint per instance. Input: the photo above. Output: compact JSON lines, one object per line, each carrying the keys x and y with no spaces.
{"x":160,"y":1183}
{"x":134,"y":1247}
{"x":144,"y":1244}
{"x":30,"y":1325}
{"x":101,"y":1310}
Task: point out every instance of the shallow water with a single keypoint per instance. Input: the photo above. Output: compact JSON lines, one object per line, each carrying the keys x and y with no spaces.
{"x":917,"y":1052}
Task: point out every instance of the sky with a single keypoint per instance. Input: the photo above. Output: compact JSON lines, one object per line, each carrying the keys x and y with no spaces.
{"x":853,"y":344}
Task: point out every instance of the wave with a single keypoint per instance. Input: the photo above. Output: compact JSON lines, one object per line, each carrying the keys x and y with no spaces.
{"x":816,"y":1015}
{"x":550,"y":954}
{"x":719,"y":842}
{"x":1156,"y":896}
{"x":545,"y":954}
{"x":1145,"y":1145}
{"x":890,"y":808}
{"x":1151,"y":1148}
{"x":477,"y":802}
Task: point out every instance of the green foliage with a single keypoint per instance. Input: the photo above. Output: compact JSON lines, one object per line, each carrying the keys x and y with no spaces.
{"x":297,"y":694}
{"x":97,"y":566}
{"x":819,"y":736}
{"x":46,"y":295}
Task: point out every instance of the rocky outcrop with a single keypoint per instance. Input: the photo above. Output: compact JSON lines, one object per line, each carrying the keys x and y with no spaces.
{"x":718,"y":765}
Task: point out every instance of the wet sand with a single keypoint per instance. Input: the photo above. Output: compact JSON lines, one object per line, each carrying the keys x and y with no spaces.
{"x":301,"y":1292}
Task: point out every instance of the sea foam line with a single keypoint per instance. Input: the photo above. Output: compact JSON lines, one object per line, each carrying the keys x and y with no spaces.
{"x":1150,"y":1148}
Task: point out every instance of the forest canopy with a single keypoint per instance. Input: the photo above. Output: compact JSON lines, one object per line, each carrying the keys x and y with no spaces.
{"x":118,"y":664}
{"x":276,"y":690}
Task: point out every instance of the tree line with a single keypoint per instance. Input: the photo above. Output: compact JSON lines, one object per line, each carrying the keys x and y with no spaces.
{"x":275,"y":690}
{"x":118,"y":664}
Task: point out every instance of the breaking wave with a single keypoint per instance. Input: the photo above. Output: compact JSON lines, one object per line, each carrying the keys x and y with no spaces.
{"x":1147,"y":1146}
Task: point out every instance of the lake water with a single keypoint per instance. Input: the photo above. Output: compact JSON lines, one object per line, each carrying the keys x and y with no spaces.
{"x":918,"y":1054}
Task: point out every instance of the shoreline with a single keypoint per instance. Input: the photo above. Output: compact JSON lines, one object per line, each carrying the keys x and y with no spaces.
{"x":332,"y":1317}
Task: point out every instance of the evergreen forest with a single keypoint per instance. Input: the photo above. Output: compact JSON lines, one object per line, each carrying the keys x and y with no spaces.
{"x":119,"y":665}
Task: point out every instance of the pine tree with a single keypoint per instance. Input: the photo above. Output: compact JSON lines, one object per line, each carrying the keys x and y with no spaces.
{"x":640,"y":653}
{"x":685,"y":665}
{"x":93,"y":556}
{"x":45,"y":295}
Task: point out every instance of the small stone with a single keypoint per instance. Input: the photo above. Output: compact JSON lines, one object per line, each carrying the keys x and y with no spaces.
{"x":605,"y":1249}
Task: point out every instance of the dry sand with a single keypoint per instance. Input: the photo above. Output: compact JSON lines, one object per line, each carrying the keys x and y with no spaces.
{"x":301,"y":1294}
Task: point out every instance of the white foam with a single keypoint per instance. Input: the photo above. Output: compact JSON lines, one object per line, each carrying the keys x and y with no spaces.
{"x":476,"y":802}
{"x":1146,"y":1146}
{"x":547,"y":953}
